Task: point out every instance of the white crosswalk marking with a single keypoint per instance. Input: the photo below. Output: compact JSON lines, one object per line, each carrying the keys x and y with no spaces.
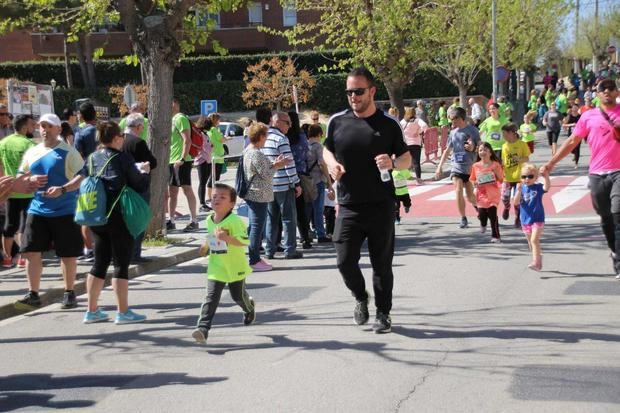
{"x":420,"y":189}
{"x":571,"y":194}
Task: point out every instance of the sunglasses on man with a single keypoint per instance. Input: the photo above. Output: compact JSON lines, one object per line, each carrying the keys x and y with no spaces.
{"x":608,"y":86}
{"x":357,"y":92}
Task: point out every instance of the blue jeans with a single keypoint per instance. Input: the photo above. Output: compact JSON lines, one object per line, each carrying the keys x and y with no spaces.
{"x":282,"y":207}
{"x":257,"y":214}
{"x":317,"y":210}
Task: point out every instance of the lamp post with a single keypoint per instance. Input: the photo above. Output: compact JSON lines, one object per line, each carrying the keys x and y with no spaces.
{"x":494,"y":47}
{"x":53,"y":84}
{"x":218,"y":77}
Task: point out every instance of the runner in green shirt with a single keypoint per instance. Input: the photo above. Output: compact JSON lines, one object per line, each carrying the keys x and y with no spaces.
{"x":136,"y":108}
{"x":401,"y":189}
{"x":12,"y":150}
{"x":561,"y":102}
{"x":491,"y":129}
{"x":227,"y":241}
{"x":527,"y":129}
{"x":442,"y":114}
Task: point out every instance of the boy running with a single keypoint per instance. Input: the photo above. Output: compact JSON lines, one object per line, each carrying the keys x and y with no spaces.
{"x":515,"y":152}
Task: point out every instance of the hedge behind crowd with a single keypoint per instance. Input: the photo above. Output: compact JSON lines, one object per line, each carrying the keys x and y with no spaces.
{"x":327,"y":96}
{"x":201,"y":68}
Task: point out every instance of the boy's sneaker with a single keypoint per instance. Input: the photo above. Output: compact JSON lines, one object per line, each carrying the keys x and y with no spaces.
{"x":200,"y":335}
{"x":31,"y":301}
{"x":7,"y":262}
{"x":506,"y":214}
{"x":170,"y":225}
{"x":69,"y":300}
{"x":21,"y":263}
{"x":360,"y":314}
{"x":464,"y":223}
{"x":261,"y":266}
{"x":191,"y":227}
{"x":397,"y":221}
{"x":496,"y":241}
{"x":407,"y":209}
{"x":483,"y":229}
{"x":95,"y":317}
{"x":129,"y":318}
{"x":383,"y":324}
{"x":249,"y":318}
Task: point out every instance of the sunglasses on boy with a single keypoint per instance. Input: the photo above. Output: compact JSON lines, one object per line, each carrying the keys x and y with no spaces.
{"x":607,"y":86}
{"x":357,"y":92}
{"x":527,"y":176}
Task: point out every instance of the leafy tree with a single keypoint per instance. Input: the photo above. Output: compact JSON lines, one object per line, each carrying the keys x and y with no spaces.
{"x":593,"y":41}
{"x":270,"y":82}
{"x":161,"y":31}
{"x":384,"y":35}
{"x":464,"y":47}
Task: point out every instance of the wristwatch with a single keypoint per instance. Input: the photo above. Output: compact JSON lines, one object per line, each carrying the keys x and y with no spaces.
{"x":63,"y":189}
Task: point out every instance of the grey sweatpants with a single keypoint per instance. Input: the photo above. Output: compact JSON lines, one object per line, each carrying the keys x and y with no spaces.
{"x":212,"y":300}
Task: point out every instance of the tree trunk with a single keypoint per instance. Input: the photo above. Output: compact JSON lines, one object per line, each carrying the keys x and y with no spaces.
{"x":159,"y":77}
{"x":79,"y":47}
{"x":90,"y":67}
{"x":463,"y":89}
{"x":68,"y":74}
{"x":395,"y":92}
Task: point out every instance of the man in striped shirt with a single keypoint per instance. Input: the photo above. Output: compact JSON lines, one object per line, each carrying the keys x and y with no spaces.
{"x":286,"y":188}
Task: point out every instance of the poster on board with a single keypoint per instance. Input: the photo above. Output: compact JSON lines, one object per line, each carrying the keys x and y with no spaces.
{"x":26,"y":98}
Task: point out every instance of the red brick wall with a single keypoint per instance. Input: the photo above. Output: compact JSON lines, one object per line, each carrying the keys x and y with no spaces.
{"x":16,"y":47}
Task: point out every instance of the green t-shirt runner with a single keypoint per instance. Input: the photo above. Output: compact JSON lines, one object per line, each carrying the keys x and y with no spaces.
{"x":400,"y":181}
{"x":180,"y":122}
{"x":145,"y":132}
{"x":217,"y":142}
{"x":491,"y":132}
{"x":442,"y":114}
{"x":527,"y":132}
{"x":227,"y":263}
{"x":12,"y":150}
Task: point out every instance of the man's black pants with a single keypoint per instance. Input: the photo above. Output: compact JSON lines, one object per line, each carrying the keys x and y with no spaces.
{"x":354,"y":225}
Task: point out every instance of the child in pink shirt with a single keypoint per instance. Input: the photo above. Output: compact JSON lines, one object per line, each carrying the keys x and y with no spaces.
{"x":487,"y":176}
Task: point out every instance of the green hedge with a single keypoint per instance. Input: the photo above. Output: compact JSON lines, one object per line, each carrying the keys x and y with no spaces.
{"x":327,"y":96}
{"x":192,"y":69}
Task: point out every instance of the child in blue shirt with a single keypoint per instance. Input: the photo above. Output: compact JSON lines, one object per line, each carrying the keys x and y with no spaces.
{"x":529,"y":198}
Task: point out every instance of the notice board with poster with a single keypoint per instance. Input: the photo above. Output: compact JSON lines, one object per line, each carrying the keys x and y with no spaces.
{"x":26,"y":98}
{"x":103,"y":111}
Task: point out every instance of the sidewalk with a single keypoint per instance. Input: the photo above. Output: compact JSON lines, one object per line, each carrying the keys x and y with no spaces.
{"x":13,"y":283}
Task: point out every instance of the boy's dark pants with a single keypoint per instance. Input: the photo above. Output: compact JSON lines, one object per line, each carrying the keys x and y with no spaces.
{"x":212,"y":300}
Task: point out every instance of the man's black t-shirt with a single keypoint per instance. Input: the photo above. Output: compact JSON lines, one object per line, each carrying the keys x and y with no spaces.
{"x":356,"y":142}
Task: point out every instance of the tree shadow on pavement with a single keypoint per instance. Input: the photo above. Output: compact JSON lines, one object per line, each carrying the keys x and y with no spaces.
{"x":37,"y":390}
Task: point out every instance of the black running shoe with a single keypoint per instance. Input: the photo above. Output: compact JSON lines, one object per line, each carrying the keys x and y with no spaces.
{"x":200,"y":335}
{"x":69,"y":300}
{"x":31,"y":301}
{"x":506,"y":214}
{"x":383,"y":324}
{"x":249,"y":318}
{"x":360,"y":314}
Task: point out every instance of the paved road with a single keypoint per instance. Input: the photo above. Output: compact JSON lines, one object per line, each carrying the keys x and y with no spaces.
{"x":474,"y":331}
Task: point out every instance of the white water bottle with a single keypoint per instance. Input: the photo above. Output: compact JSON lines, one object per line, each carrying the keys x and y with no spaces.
{"x":385,"y":175}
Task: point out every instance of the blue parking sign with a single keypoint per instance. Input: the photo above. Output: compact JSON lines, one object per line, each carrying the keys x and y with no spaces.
{"x":208,"y":106}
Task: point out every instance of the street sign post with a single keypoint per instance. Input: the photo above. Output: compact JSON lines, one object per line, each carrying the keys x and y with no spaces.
{"x":207,"y":107}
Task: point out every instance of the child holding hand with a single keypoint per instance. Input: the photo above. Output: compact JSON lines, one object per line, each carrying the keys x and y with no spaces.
{"x":529,"y":198}
{"x":487,"y":175}
{"x":227,"y":241}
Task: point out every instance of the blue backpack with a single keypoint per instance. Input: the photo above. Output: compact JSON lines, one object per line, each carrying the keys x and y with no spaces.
{"x":91,"y":209}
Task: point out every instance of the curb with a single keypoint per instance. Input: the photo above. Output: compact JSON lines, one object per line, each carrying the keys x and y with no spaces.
{"x":52,"y":295}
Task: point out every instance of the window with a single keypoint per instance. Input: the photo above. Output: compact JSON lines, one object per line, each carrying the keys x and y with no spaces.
{"x":255,"y":13}
{"x":290,"y":15}
{"x":202,"y":19}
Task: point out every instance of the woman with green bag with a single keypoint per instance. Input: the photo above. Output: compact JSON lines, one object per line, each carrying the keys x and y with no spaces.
{"x":114,"y":240}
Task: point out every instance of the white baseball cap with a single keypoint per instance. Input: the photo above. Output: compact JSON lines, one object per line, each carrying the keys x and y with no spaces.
{"x":50,"y":118}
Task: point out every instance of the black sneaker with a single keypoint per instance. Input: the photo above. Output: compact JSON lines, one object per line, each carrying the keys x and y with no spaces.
{"x":464,"y":223}
{"x":170,"y":225}
{"x":506,"y":214}
{"x":517,"y":223}
{"x":69,"y":300}
{"x":383,"y":324}
{"x":200,"y":335}
{"x":323,"y":240}
{"x":205,"y":208}
{"x":248,"y":318}
{"x":294,"y":255}
{"x":306,"y":245}
{"x":88,"y":257}
{"x":31,"y":301}
{"x":279,"y":248}
{"x":191,"y":227}
{"x":360,"y":314}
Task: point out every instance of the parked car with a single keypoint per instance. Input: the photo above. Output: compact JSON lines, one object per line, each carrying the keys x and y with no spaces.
{"x":233,"y":132}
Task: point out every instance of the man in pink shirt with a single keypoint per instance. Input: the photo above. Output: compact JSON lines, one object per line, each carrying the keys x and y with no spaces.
{"x":601,"y":127}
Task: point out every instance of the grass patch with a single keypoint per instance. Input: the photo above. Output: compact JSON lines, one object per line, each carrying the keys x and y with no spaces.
{"x":159,"y":242}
